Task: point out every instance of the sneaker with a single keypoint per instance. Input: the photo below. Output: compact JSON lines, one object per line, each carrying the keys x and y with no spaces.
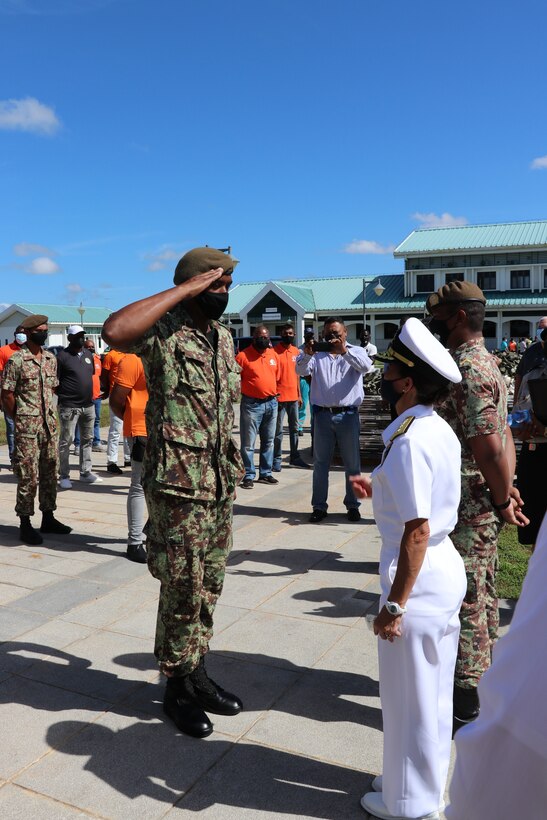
{"x":137,"y":553}
{"x":75,"y":451}
{"x":99,"y":448}
{"x":247,"y":484}
{"x":267,"y":479}
{"x":65,"y":484}
{"x":299,"y":462}
{"x":90,"y":478}
{"x":276,"y":469}
{"x":353,"y":514}
{"x":127,"y":463}
{"x":317,"y":516}
{"x":112,"y":467}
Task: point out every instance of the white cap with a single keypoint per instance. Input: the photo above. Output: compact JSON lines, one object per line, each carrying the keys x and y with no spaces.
{"x":416,"y":346}
{"x":72,"y":330}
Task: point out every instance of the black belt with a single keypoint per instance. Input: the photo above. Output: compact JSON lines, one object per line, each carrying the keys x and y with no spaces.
{"x":335,"y":410}
{"x":253,"y":398}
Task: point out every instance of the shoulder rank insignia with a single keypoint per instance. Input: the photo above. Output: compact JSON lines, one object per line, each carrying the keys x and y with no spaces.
{"x":400,"y":431}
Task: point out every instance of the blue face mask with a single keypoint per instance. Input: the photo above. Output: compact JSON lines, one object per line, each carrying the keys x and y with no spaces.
{"x":21,"y":338}
{"x":539,"y":331}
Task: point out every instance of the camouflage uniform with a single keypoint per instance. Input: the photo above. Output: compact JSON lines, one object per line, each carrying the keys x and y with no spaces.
{"x":33,"y":381}
{"x":191,"y":468}
{"x":476,"y":407}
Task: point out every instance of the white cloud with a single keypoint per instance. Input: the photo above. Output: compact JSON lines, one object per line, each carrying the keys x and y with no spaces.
{"x":28,"y":115}
{"x":443,"y":221}
{"x":30,"y":248}
{"x":540,"y":163}
{"x":367,"y":246}
{"x":42,"y":266}
{"x":162,"y":259}
{"x":73,"y":287}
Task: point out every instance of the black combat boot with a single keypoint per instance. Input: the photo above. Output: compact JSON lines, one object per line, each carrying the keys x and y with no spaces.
{"x":209,"y":695}
{"x":50,"y":524}
{"x":27,"y":533}
{"x":179,"y":705}
{"x":466,"y":707}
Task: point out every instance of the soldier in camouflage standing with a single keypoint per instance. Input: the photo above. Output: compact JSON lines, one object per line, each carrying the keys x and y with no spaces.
{"x":476,"y":409}
{"x":30,"y":379}
{"x":191,"y":468}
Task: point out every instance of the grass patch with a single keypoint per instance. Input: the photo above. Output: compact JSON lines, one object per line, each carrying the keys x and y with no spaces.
{"x":513,"y":566}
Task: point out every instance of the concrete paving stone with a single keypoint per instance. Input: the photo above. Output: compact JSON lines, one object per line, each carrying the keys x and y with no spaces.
{"x":120,"y":766}
{"x":291,"y":643}
{"x":38,"y":644}
{"x":14,"y":623}
{"x":115,"y":572}
{"x":9,"y":593}
{"x":33,"y":707}
{"x":103,"y":665}
{"x":329,"y":604}
{"x":225,"y":615}
{"x":140,"y":623}
{"x":252,"y":591}
{"x":26,"y":578}
{"x":61,"y":596}
{"x":282,"y":560}
{"x":356,"y":652}
{"x":257,"y":685}
{"x":328,"y":714}
{"x":103,"y":611}
{"x":20,"y":804}
{"x":254,"y":781}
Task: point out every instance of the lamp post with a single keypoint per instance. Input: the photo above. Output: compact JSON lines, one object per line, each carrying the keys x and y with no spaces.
{"x":81,"y":311}
{"x":378,"y":290}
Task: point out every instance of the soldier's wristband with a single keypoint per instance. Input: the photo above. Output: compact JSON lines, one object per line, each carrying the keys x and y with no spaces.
{"x":502,"y":506}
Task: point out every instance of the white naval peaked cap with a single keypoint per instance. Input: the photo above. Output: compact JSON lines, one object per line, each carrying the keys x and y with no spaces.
{"x":416,"y":346}
{"x":72,"y":330}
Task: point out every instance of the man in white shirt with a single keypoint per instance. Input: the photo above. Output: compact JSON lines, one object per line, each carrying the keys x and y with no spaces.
{"x":370,"y":349}
{"x":335,"y":395}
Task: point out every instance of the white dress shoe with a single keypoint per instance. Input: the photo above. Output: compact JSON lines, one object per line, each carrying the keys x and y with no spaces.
{"x":65,"y":484}
{"x":373,"y":803}
{"x":377,"y":786}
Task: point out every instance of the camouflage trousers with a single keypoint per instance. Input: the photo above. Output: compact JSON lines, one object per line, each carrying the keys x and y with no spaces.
{"x":188,"y":545}
{"x":479,"y":617}
{"x":35,"y":464}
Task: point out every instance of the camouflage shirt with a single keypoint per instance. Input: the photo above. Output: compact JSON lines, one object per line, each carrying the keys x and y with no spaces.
{"x":33,"y":381}
{"x":477,"y":406}
{"x":189,"y":416}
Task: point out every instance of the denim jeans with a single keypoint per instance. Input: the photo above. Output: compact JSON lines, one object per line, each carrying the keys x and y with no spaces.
{"x":257,"y":417}
{"x":292,"y":414}
{"x":136,"y":505}
{"x":10,"y":435}
{"x":331,"y":429}
{"x":114,"y":433}
{"x":69,"y":417}
{"x":96,"y":426}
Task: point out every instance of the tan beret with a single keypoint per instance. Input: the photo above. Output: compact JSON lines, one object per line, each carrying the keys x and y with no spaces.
{"x":455,"y":292}
{"x":200,"y":260}
{"x":35,"y":320}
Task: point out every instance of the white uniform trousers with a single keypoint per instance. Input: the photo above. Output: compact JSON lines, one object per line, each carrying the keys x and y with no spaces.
{"x":416,"y":682}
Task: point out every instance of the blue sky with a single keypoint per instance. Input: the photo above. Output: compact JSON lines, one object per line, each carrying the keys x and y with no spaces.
{"x":312,"y":136}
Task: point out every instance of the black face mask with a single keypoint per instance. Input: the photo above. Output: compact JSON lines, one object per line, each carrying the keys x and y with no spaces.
{"x":212,"y":304}
{"x":440,"y":328}
{"x":389,"y":392}
{"x":38,"y":336}
{"x":261,"y":343}
{"x":287,"y":340}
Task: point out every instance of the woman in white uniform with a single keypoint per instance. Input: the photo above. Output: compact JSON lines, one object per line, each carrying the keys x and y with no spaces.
{"x":415,"y":494}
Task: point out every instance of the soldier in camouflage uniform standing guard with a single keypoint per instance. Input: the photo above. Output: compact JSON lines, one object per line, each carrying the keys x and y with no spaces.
{"x":191,"y":468}
{"x":30,"y":379}
{"x":476,"y":409}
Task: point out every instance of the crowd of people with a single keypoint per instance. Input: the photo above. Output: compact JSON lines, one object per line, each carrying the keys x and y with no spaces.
{"x":441,"y":494}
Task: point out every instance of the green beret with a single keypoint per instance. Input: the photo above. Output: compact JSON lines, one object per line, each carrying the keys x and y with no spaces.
{"x":200,"y":260}
{"x":453,"y":293}
{"x":35,"y":320}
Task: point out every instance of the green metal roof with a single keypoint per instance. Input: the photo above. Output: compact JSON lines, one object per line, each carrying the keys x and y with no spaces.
{"x":469,"y":237}
{"x":304,"y":296}
{"x":68,"y":314}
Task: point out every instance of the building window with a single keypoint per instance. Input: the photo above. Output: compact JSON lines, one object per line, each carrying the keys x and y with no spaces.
{"x":489,"y":330}
{"x":453,"y":277}
{"x":545,"y":278}
{"x":486,"y":279}
{"x":425,"y":283}
{"x":520,"y":279}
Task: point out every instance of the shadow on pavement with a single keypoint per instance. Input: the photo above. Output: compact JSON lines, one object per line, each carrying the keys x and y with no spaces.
{"x":9,"y":536}
{"x":297,"y":562}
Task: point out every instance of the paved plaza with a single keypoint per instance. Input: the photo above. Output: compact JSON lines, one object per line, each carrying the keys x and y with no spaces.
{"x":83,"y":732}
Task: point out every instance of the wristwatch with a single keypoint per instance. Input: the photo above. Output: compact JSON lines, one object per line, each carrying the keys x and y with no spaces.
{"x":394,"y":608}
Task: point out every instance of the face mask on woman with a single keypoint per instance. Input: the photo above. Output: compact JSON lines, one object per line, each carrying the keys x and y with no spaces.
{"x":389,"y":392}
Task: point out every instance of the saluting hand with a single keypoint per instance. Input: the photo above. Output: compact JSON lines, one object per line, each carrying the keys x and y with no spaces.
{"x":197,"y":284}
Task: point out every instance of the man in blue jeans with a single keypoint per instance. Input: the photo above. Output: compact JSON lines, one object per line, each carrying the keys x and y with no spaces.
{"x":336,"y":394}
{"x":258,"y":411}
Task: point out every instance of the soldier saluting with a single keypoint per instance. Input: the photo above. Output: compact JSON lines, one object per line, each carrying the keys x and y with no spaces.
{"x":191,"y":468}
{"x":29,"y":384}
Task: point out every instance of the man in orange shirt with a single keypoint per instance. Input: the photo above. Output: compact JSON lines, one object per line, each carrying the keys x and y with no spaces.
{"x":110,"y":365}
{"x":128,"y":402}
{"x":258,"y":412}
{"x":289,"y":400}
{"x":6,"y":352}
